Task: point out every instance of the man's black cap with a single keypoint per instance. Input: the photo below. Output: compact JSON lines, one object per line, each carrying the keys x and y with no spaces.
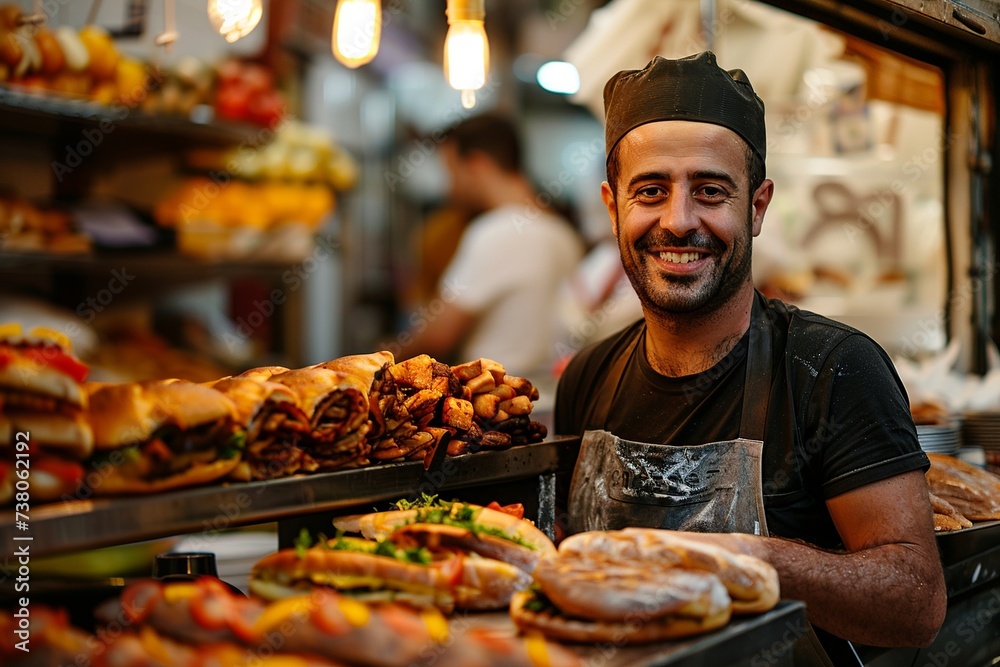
{"x":693,"y":88}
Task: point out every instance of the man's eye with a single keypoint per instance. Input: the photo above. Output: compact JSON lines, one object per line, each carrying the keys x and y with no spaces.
{"x":712,"y":191}
{"x":651,"y":191}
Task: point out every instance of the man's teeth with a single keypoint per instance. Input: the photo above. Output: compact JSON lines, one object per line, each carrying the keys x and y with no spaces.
{"x":680,"y":257}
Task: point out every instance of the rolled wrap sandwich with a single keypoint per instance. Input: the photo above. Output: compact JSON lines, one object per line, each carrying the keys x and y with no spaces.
{"x":335,"y":399}
{"x":154,"y":436}
{"x":274,"y":424}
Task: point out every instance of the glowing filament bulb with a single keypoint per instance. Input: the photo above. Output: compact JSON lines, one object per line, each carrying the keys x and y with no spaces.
{"x":357,"y":27}
{"x":466,"y":49}
{"x":234,"y":19}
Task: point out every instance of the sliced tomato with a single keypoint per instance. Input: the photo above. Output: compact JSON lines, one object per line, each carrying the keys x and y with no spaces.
{"x":402,"y":621}
{"x":453,"y":569}
{"x":326,"y":615}
{"x":58,"y":360}
{"x":139,"y":599}
{"x":516,"y":510}
{"x":69,"y":472}
{"x":211,"y":611}
{"x":242,"y":619}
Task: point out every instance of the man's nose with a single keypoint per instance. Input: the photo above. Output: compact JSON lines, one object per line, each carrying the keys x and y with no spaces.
{"x":678,"y":215}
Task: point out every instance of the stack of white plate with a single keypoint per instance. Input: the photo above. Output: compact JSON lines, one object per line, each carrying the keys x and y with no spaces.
{"x":943,"y":439}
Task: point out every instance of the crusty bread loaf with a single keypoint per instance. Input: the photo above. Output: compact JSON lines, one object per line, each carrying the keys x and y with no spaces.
{"x":752,"y":583}
{"x":972,"y":491}
{"x":604,"y":589}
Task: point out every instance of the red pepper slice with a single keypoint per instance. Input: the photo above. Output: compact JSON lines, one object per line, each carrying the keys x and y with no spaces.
{"x":139,"y":599}
{"x":516,"y":510}
{"x":70,"y":472}
{"x":453,"y":568}
{"x":326,"y":615}
{"x":58,"y":360}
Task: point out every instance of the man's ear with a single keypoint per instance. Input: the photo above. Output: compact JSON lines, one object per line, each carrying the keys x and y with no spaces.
{"x":608,"y":197}
{"x":761,"y":199}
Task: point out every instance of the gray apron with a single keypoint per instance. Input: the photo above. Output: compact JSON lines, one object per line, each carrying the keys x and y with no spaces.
{"x":714,"y":487}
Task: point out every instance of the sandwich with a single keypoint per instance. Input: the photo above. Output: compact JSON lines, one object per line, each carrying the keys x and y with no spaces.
{"x":496,"y":647}
{"x":42,"y":406}
{"x":641,"y":585}
{"x":487,"y":532}
{"x":273,"y":422}
{"x":159,"y":435}
{"x":381,"y":571}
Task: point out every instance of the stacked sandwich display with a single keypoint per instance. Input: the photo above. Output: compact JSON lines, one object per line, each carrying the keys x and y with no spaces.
{"x":43,"y":430}
{"x":264,"y":423}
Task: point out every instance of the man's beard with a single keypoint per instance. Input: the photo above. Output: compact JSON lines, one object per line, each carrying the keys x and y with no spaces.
{"x":669,"y":293}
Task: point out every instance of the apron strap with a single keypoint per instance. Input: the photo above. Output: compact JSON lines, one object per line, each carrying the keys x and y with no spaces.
{"x":757,"y":383}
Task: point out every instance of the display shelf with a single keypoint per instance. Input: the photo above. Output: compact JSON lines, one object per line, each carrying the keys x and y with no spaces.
{"x":88,"y":524}
{"x":48,"y":115}
{"x":160,"y":262}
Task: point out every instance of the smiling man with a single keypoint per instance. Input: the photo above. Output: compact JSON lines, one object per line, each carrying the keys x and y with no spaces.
{"x":812,"y":461}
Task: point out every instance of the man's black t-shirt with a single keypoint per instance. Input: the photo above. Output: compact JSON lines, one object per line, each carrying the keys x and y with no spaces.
{"x":837,"y":418}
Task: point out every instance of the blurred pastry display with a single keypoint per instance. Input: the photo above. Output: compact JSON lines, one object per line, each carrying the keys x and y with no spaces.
{"x":26,"y":227}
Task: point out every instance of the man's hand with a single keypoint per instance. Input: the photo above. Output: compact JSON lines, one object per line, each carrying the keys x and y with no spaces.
{"x":887,"y":589}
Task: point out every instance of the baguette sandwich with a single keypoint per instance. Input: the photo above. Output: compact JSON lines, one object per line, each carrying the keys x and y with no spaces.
{"x":382,"y":571}
{"x":484,"y":531}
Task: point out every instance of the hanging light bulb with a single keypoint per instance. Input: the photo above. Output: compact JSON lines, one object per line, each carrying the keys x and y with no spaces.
{"x":234,"y":19}
{"x":357,"y":26}
{"x":466,"y":51}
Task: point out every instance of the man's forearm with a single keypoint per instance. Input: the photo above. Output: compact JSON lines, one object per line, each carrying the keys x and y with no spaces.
{"x":890,"y":595}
